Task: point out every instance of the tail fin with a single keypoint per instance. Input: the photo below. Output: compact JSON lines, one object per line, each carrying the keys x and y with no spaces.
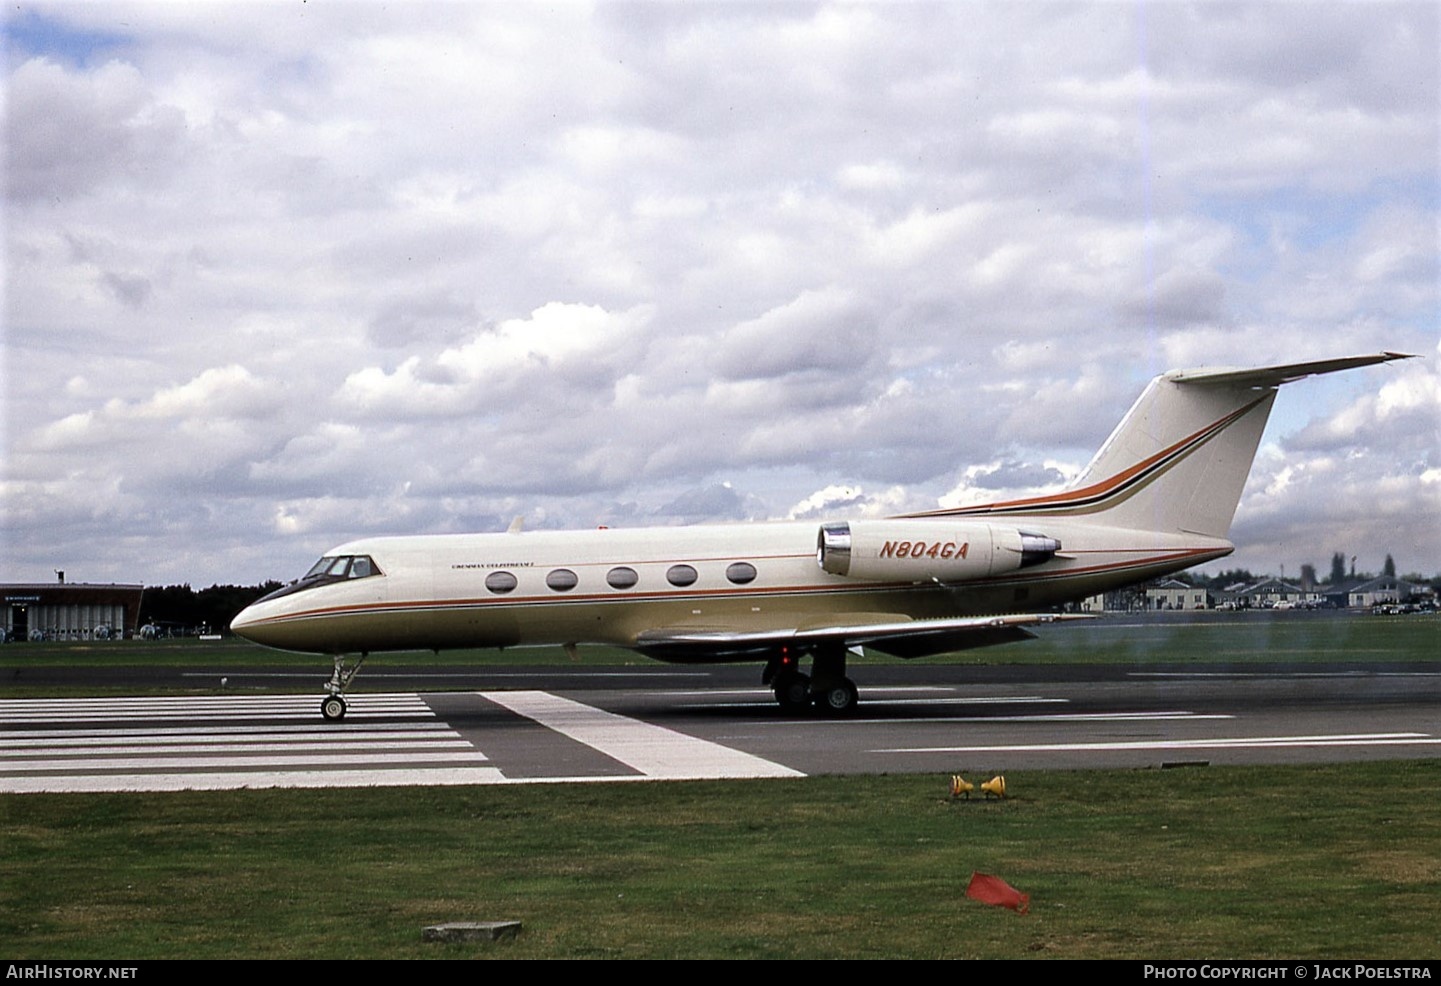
{"x":1179,"y":459}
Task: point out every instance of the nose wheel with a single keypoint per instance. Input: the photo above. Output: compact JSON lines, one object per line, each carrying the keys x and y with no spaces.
{"x":332,"y":707}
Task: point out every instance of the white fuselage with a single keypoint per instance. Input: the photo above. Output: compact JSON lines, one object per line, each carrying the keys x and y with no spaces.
{"x":432,"y":592}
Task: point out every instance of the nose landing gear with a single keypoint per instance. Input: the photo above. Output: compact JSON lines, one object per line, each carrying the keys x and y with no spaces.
{"x":332,"y":707}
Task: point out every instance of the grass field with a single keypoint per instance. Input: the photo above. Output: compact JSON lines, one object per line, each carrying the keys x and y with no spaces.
{"x":1145,"y":638}
{"x":1339,"y":861}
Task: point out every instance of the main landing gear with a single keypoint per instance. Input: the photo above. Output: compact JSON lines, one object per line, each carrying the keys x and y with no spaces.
{"x":332,"y":707}
{"x":826,"y":688}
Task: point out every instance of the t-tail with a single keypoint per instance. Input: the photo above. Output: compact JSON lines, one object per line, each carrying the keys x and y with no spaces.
{"x":1179,"y":459}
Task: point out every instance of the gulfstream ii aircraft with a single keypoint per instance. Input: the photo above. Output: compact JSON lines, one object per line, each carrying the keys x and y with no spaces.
{"x":1158,"y":497}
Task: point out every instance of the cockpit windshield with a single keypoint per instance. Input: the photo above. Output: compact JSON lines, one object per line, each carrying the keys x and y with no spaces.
{"x":330,"y":569}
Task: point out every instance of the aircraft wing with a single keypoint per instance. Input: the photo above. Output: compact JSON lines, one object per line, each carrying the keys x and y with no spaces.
{"x":896,"y":635}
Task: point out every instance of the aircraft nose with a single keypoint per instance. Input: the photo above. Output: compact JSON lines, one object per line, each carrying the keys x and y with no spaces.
{"x":270,"y":624}
{"x":246,"y":624}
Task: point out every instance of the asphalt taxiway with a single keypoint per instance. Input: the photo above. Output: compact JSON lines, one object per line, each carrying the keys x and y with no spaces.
{"x":507,"y":725}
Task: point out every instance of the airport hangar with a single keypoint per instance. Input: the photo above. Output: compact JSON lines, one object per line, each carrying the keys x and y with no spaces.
{"x":69,"y":611}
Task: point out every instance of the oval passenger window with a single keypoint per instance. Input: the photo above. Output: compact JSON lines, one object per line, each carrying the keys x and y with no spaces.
{"x":500,"y":582}
{"x":681,"y":575}
{"x":562,"y":580}
{"x":621,"y":578}
{"x":741,"y":572}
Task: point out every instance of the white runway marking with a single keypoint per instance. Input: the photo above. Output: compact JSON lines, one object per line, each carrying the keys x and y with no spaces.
{"x":190,"y":764}
{"x":230,"y":781}
{"x":201,"y":708}
{"x":1284,"y":676}
{"x":655,"y":751}
{"x":765,"y":698}
{"x":1090,"y":717}
{"x":1254,"y":742}
{"x":1053,"y":717}
{"x":213,"y":756}
{"x":179,"y":734}
{"x":432,"y":675}
{"x":981,"y":700}
{"x":153,"y":745}
{"x":217,"y":750}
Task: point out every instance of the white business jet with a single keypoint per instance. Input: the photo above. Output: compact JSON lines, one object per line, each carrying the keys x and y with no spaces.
{"x":1158,"y":497}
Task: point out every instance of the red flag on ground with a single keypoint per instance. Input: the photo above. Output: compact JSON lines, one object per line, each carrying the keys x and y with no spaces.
{"x":993,"y":890}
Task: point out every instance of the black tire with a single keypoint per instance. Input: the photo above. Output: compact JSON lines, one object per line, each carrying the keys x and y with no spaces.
{"x":793,"y":692}
{"x":332,"y":708}
{"x":839,"y":699}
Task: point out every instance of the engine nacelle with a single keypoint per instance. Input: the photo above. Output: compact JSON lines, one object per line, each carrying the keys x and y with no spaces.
{"x":927,"y":550}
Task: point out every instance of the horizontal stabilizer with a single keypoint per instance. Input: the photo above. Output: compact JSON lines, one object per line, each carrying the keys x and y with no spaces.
{"x":1274,"y":376}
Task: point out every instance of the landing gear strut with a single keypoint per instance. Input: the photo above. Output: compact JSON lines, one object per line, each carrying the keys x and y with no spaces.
{"x":792,"y":688}
{"x":332,"y":707}
{"x":826,"y":688}
{"x":833,"y":693}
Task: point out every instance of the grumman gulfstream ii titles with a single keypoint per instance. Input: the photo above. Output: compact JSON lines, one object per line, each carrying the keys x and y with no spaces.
{"x":1157,"y":498}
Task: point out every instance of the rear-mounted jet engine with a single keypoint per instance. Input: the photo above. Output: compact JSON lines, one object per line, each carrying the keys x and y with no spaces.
{"x":925,"y":551}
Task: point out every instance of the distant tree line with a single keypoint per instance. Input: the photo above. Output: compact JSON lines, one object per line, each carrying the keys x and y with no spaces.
{"x":1340,"y":573}
{"x":179,"y":608}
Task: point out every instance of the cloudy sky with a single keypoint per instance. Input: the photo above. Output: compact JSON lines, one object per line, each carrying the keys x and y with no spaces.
{"x":278,"y":275}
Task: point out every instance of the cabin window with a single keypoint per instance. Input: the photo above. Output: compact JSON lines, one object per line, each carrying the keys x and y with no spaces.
{"x":681,"y":575}
{"x":621,"y":577}
{"x":500,"y":582}
{"x":562,"y":580}
{"x":741,"y":573}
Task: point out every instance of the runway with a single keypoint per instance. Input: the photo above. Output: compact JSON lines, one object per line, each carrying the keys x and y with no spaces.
{"x":517,"y":725}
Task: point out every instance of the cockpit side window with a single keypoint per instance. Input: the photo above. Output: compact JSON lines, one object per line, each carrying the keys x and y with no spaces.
{"x":331,"y":568}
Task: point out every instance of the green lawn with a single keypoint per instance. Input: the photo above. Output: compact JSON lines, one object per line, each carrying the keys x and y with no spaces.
{"x":1332,"y":861}
{"x":1208,"y":638}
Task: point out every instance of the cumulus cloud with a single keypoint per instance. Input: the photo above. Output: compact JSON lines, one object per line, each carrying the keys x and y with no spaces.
{"x":273,"y":281}
{"x":820,"y":331}
{"x":712,"y":504}
{"x":852,"y":501}
{"x":559,"y":345}
{"x":1405,"y":409}
{"x":996,"y":482}
{"x":83,"y":130}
